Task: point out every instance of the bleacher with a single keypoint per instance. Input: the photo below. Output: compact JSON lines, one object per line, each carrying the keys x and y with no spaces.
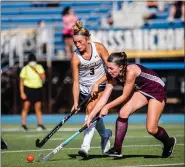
{"x":26,"y":15}
{"x":21,"y":14}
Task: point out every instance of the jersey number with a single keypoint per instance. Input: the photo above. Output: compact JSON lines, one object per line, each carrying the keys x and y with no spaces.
{"x":92,"y":71}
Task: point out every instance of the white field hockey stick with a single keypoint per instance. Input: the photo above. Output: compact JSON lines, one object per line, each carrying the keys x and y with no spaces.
{"x":51,"y":154}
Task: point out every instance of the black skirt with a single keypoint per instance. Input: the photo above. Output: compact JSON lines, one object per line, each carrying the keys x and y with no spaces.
{"x":33,"y":95}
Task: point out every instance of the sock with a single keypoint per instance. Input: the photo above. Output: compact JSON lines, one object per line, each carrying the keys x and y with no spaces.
{"x":162,"y":135}
{"x":121,"y":130}
{"x":88,"y":135}
{"x":100,"y":127}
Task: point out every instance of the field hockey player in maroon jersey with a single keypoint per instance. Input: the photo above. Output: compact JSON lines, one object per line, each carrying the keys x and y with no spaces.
{"x":141,"y":86}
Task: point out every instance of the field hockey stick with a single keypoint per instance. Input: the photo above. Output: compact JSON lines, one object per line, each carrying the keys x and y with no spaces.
{"x":48,"y":136}
{"x":51,"y":154}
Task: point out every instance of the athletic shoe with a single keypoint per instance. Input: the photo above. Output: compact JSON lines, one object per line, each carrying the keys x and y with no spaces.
{"x":105,"y":141}
{"x":168,"y":149}
{"x":83,"y":152}
{"x":24,"y":128}
{"x":113,"y":152}
{"x":40,"y":128}
{"x":4,"y":145}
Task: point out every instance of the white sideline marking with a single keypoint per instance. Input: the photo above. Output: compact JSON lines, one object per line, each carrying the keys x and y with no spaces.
{"x":34,"y":130}
{"x":177,"y":164}
{"x":62,"y":129}
{"x":17,"y":151}
{"x":57,"y":138}
{"x":125,"y":137}
{"x":66,"y":130}
{"x":36,"y":135}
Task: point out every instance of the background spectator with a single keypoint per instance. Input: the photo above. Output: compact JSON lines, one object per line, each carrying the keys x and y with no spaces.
{"x":43,"y":36}
{"x":152,"y":10}
{"x":37,"y":4}
{"x":32,"y":77}
{"x":110,"y":21}
{"x":177,"y":11}
{"x":53,"y":4}
{"x":69,"y":19}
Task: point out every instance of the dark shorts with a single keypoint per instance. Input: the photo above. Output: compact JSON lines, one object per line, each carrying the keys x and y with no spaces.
{"x":83,"y":96}
{"x":33,"y":95}
{"x":159,"y":95}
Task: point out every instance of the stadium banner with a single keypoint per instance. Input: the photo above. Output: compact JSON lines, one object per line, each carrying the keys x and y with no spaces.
{"x":142,"y":42}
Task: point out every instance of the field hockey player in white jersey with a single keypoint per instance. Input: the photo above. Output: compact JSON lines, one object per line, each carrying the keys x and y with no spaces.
{"x":88,"y":69}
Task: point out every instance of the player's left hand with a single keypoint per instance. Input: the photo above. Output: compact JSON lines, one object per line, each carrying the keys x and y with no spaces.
{"x":88,"y":122}
{"x":104,"y":111}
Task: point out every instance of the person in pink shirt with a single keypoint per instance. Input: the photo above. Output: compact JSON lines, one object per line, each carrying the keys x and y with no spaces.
{"x":69,"y":19}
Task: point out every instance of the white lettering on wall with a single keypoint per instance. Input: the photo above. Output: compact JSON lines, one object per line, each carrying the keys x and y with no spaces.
{"x":170,"y":39}
{"x":138,"y":39}
{"x":161,"y":40}
{"x":179,"y":38}
{"x":152,"y":40}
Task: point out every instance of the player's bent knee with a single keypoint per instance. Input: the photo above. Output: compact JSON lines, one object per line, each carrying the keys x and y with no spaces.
{"x":152,"y":130}
{"x":89,"y":109}
{"x":124,"y":114}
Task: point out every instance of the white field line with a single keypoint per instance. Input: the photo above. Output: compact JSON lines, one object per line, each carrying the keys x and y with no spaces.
{"x":62,"y":129}
{"x":58,"y":138}
{"x":34,"y":130}
{"x":177,"y":164}
{"x":134,"y":137}
{"x":54,"y":138}
{"x":17,"y":151}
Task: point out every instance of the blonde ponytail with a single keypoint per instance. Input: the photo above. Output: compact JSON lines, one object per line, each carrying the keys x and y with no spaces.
{"x":78,"y":29}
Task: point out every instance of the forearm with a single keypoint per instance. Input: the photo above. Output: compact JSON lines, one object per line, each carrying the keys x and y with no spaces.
{"x":127,"y":90}
{"x":21,"y":86}
{"x":101,"y":80}
{"x":116,"y":102}
{"x":76,"y":92}
{"x":43,"y":77}
{"x":103,"y":100}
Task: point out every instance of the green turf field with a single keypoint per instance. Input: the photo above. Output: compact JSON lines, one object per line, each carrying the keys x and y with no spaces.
{"x":140,"y":149}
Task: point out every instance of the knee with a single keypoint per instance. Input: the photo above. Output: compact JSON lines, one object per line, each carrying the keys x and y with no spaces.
{"x":89,"y":109}
{"x":37,"y":109}
{"x":26,"y":107}
{"x":152,"y":130}
{"x":124,"y":114}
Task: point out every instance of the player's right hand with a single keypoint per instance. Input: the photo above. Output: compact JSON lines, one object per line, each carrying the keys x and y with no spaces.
{"x":75,"y":107}
{"x":23,"y":96}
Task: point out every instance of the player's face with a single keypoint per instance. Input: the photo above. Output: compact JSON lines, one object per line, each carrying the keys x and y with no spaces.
{"x":80,"y":42}
{"x":70,"y":12}
{"x":113,"y":69}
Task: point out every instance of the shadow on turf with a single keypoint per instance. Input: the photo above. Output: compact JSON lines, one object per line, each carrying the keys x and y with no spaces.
{"x":132,"y":156}
{"x":73,"y":156}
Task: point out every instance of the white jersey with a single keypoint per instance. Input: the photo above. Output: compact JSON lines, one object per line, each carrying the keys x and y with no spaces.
{"x":90,"y":70}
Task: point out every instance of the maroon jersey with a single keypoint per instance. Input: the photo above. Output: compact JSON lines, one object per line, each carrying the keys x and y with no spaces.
{"x":150,"y":85}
